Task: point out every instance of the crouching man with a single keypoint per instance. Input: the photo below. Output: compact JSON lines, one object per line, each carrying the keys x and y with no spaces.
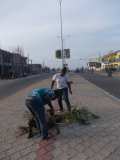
{"x":35,"y":102}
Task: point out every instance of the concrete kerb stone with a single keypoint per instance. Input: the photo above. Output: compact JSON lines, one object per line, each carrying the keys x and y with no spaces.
{"x":105,"y":92}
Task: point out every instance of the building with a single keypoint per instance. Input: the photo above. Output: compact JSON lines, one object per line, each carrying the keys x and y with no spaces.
{"x":35,"y":68}
{"x":5,"y":63}
{"x":12,"y":64}
{"x":112,"y":60}
{"x":94,"y":65}
{"x":19,"y":65}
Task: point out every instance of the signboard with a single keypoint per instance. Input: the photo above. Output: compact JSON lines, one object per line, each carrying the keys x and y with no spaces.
{"x":94,"y":64}
{"x":58,"y":54}
{"x":67,"y":53}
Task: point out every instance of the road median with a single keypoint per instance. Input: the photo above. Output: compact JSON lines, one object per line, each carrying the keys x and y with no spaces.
{"x":75,"y":141}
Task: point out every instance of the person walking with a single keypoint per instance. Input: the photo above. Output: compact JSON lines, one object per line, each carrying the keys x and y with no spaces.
{"x":63,"y":85}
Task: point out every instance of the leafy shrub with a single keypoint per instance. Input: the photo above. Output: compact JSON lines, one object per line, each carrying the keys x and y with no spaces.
{"x":80,"y":115}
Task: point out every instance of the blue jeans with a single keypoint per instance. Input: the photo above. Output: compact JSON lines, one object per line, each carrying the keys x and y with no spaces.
{"x":36,"y":107}
{"x":63,"y":93}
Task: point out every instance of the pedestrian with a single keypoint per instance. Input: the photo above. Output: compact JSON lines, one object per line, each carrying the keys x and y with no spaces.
{"x":63,"y":85}
{"x":35,"y":102}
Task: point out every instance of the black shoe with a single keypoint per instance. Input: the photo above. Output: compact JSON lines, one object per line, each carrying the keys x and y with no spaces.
{"x":46,"y":138}
{"x":30,"y":136}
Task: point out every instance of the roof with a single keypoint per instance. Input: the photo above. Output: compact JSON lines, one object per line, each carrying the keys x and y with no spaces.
{"x":111,"y":53}
{"x":12,"y":53}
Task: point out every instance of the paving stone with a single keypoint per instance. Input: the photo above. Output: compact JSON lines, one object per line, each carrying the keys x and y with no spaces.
{"x":98,"y":141}
{"x":80,"y":156}
{"x":16,"y":156}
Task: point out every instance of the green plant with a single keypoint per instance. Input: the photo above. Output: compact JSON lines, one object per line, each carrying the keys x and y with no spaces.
{"x":80,"y":115}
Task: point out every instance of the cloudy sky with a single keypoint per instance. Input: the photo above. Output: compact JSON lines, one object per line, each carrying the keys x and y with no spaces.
{"x":93,"y":27}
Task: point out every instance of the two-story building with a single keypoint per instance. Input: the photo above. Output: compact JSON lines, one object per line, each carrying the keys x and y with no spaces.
{"x":12,"y":64}
{"x":112,"y":59}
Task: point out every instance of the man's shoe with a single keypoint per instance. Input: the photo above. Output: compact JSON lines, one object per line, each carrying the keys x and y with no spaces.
{"x":46,"y":138}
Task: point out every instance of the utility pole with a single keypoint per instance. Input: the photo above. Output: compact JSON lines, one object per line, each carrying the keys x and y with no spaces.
{"x":2,"y":66}
{"x":31,"y":65}
{"x":28,"y":68}
{"x":61,"y":29}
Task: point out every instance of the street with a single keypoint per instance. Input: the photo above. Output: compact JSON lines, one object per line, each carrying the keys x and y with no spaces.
{"x":109,"y":84}
{"x":9,"y":87}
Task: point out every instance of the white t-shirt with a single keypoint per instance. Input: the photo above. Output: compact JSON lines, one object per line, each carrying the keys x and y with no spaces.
{"x":61,"y":80}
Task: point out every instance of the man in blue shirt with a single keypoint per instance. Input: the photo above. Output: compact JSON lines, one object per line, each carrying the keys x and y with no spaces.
{"x":35,"y":102}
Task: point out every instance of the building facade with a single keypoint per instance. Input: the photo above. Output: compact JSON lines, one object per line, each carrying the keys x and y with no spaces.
{"x":35,"y":68}
{"x":112,"y":60}
{"x":12,"y":64}
{"x":94,"y":65}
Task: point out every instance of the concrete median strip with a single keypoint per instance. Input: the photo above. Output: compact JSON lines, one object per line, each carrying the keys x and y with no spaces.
{"x":100,"y":140}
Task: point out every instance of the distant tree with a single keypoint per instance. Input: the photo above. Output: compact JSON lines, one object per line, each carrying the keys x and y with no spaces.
{"x":19,"y":50}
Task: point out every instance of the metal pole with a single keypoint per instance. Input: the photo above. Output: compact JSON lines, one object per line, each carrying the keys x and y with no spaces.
{"x":31,"y":66}
{"x":2,"y":65}
{"x":28,"y":63}
{"x":61,"y":25}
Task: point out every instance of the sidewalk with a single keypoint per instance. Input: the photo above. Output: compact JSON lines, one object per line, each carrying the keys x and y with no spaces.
{"x":98,"y":141}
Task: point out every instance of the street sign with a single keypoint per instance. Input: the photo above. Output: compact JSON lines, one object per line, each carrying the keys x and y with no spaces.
{"x":58,"y":54}
{"x":67,"y":53}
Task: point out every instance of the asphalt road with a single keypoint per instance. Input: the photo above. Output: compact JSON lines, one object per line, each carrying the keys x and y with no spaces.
{"x":109,"y":84}
{"x":9,"y":87}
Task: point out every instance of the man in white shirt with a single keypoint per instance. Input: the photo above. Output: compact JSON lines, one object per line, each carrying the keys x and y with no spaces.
{"x":63,"y":85}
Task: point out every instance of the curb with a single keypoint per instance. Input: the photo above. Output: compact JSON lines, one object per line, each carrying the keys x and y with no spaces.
{"x":105,"y":92}
{"x":110,"y":95}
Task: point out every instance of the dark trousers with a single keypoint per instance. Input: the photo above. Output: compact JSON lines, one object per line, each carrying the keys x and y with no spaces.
{"x":63,"y":94}
{"x":37,"y":109}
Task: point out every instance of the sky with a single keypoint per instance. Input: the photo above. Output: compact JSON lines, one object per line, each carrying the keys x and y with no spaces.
{"x":90,"y":28}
